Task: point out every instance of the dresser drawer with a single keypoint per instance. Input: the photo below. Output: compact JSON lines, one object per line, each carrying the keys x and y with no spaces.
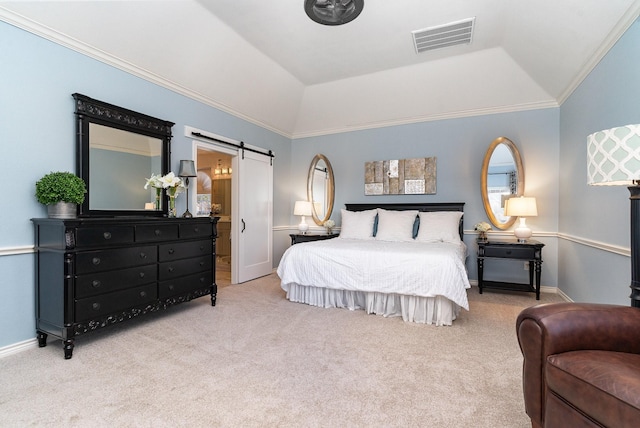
{"x":196,"y":230}
{"x":185,"y":284}
{"x":106,"y":282}
{"x":509,"y":252}
{"x":176,"y":268}
{"x":93,"y":307}
{"x":183,"y":250}
{"x":160,"y":232}
{"x":104,"y":260}
{"x":103,"y":235}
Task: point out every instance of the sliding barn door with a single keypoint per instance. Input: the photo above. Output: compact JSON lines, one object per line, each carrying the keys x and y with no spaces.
{"x":255,"y":216}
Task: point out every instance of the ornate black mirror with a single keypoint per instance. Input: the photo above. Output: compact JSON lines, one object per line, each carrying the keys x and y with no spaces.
{"x":117,"y":151}
{"x":320,"y":189}
{"x":502,"y":178}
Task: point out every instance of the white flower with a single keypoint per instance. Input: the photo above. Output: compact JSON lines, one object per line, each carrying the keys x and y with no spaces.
{"x":170,"y":180}
{"x":483,"y":226}
{"x":329,"y":224}
{"x":173,"y":184}
{"x":153,"y":181}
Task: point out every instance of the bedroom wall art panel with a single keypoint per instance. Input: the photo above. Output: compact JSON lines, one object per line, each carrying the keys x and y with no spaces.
{"x":400,"y":177}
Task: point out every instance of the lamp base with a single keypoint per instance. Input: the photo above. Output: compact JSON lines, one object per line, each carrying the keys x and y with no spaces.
{"x":303,"y":226}
{"x":187,"y":214}
{"x":522,"y":232}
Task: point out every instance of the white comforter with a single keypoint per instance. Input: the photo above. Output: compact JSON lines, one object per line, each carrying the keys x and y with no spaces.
{"x":408,"y":268}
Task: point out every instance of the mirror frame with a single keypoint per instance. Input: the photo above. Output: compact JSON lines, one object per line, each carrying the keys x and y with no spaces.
{"x":330,"y":188}
{"x":89,"y":110}
{"x":483,"y":179}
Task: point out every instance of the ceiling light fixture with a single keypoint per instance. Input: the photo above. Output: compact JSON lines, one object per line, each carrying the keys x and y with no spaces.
{"x":333,"y":12}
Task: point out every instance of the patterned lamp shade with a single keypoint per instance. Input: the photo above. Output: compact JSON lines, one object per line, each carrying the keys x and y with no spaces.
{"x":613,"y":156}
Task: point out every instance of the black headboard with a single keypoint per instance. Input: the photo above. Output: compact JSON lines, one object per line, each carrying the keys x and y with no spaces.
{"x":423,"y":207}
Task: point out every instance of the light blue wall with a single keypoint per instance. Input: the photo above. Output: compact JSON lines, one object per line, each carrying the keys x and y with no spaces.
{"x":607,"y":98}
{"x":460,"y":146}
{"x":37,"y":134}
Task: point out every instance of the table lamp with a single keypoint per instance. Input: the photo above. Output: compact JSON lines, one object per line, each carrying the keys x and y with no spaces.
{"x":187,"y":169}
{"x":521,"y":207}
{"x":302,"y":208}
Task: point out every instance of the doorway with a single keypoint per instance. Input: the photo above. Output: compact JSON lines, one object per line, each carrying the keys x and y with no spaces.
{"x":213,"y":197}
{"x":249,"y":215}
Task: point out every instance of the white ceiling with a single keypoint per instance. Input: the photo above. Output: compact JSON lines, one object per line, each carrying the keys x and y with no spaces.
{"x":267,"y":62}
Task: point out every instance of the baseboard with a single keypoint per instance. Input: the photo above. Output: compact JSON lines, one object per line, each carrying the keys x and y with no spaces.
{"x":18,"y":347}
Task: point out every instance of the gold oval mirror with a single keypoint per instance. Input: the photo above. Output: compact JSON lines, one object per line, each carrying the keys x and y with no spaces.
{"x":320,"y":187}
{"x":502,"y":178}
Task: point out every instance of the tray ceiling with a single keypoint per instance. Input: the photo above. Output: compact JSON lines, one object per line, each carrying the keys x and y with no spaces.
{"x":268,"y":63}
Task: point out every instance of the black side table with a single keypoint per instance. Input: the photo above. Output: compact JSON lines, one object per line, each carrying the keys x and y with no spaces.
{"x":530,"y":251}
{"x":297,"y":238}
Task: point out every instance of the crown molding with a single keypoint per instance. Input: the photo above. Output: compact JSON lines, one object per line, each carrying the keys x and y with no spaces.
{"x":76,"y":45}
{"x":621,"y":27}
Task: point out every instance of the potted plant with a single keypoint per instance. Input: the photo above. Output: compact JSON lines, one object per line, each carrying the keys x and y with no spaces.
{"x":61,"y":192}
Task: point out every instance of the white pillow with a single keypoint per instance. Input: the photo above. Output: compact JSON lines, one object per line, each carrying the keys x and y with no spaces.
{"x":439,"y":226}
{"x":357,"y":224}
{"x":396,"y":225}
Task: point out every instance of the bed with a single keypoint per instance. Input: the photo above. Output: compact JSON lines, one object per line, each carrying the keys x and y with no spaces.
{"x":403,"y":260}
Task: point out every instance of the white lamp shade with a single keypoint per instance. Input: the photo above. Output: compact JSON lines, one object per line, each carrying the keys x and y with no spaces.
{"x":302,"y":208}
{"x":521,"y":207}
{"x":613,"y":156}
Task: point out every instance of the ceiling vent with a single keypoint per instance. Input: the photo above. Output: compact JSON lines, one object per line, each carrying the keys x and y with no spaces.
{"x":442,"y":36}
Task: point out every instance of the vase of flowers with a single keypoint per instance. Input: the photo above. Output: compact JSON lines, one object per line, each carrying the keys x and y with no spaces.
{"x":154,"y":181}
{"x":329,"y":224}
{"x":482,"y":228}
{"x":173,"y":186}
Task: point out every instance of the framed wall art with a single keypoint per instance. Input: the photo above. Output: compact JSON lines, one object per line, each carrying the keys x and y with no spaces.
{"x":400,"y":177}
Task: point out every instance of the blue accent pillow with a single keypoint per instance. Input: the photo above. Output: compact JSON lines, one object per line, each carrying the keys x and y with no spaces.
{"x":375,"y":226}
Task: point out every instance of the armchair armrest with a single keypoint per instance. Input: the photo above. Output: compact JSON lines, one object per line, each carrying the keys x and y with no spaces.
{"x":549,"y":329}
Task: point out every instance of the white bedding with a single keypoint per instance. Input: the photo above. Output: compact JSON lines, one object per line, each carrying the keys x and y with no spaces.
{"x":371,"y":272}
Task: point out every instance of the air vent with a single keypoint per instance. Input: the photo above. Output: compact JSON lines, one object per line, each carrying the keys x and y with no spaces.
{"x":442,"y":36}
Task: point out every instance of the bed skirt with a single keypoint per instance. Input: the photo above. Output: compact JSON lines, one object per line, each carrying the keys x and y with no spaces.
{"x":436,"y":310}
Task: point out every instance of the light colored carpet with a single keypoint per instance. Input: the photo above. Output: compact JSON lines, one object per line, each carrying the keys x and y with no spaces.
{"x":258,"y":360}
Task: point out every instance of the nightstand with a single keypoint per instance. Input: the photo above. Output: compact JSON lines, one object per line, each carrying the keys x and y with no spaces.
{"x":297,"y":238}
{"x":530,"y":251}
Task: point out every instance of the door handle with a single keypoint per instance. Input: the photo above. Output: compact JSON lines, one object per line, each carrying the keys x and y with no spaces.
{"x":244,"y":226}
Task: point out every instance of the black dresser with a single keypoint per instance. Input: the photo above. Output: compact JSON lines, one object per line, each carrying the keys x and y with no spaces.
{"x":94,"y":272}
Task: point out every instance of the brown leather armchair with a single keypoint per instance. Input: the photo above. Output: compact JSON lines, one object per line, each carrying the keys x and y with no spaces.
{"x":581,"y":365}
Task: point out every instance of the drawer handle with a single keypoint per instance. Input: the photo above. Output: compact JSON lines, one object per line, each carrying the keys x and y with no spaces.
{"x":171,"y":251}
{"x":107,"y":235}
{"x":95,"y":306}
{"x":201,"y":247}
{"x":143,"y":294}
{"x":170,"y":287}
{"x":96,"y":261}
{"x":141,"y":274}
{"x":196,"y":229}
{"x":158,"y":232}
{"x":203,"y":279}
{"x":96,"y":283}
{"x":143,"y":255}
{"x":170,"y":269}
{"x":508,"y":251}
{"x":201,"y":263}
